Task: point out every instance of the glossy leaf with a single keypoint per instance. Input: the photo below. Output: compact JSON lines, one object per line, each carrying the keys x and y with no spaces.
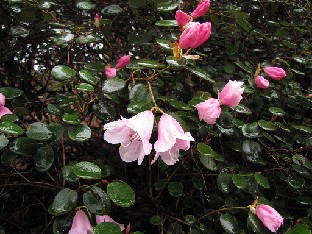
{"x":107,"y":228}
{"x":71,"y":118}
{"x":10,"y":128}
{"x":112,"y":10}
{"x":113,"y":85}
{"x":87,"y":76}
{"x":277,"y":111}
{"x":225,"y":183}
{"x":62,"y":73}
{"x":87,"y":170}
{"x":229,"y":223}
{"x":97,"y":201}
{"x":262,"y":180}
{"x":39,"y":131}
{"x":44,"y":158}
{"x":63,"y":202}
{"x":251,"y":130}
{"x":121,"y":193}
{"x":202,"y":74}
{"x":239,"y":181}
{"x":167,"y":23}
{"x":24,"y":146}
{"x":10,"y":92}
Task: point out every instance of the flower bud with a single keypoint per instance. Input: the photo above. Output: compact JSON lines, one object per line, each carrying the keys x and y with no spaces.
{"x":269,"y":217}
{"x":201,"y":9}
{"x":110,"y":72}
{"x":194,"y":35}
{"x":123,"y":61}
{"x":209,"y":110}
{"x":231,"y":94}
{"x":182,"y":18}
{"x":275,"y":73}
{"x":261,"y":82}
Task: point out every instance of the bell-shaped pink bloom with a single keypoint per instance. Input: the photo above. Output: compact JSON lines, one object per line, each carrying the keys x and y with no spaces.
{"x":123,"y":61}
{"x":171,"y":139}
{"x":105,"y":218}
{"x":269,"y":217}
{"x":133,"y":134}
{"x":110,"y":72}
{"x":194,"y":35}
{"x":3,"y":110}
{"x":201,"y":9}
{"x":81,"y":224}
{"x":275,"y":73}
{"x":231,"y":94}
{"x":209,"y":110}
{"x":261,"y":82}
{"x":182,"y":18}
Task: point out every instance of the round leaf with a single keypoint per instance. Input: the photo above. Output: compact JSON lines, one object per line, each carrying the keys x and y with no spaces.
{"x":10,"y":92}
{"x":10,"y":128}
{"x":229,"y":223}
{"x":87,"y":76}
{"x":277,"y":111}
{"x":112,"y":10}
{"x":84,"y":87}
{"x":97,"y":201}
{"x":121,"y":193}
{"x":175,"y":189}
{"x":113,"y":85}
{"x":266,"y":125}
{"x":251,"y":130}
{"x":39,"y":131}
{"x":252,"y":151}
{"x":44,"y":158}
{"x":239,"y":181}
{"x":62,"y":72}
{"x":85,"y":5}
{"x":79,"y":133}
{"x":69,"y":175}
{"x":3,"y":141}
{"x":225,"y":183}
{"x":262,"y":180}
{"x":87,"y":170}
{"x":63,"y":202}
{"x":24,"y":146}
{"x":107,"y":228}
{"x":71,"y":118}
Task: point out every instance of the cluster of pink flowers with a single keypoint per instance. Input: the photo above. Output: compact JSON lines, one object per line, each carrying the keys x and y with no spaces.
{"x":210,"y":110}
{"x":269,"y":217}
{"x":134,"y":134}
{"x":195,"y":33}
{"x":275,"y":73}
{"x":3,"y":110}
{"x":82,"y":225}
{"x":122,"y":62}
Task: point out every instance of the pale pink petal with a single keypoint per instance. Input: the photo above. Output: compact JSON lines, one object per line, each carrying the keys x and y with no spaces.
{"x":105,"y":218}
{"x":117,"y":132}
{"x":170,"y":157}
{"x":132,"y":151}
{"x":209,"y":110}
{"x":81,"y":224}
{"x":4,"y":111}
{"x":189,"y":36}
{"x":231,"y":94}
{"x":2,"y":99}
{"x":203,"y":33}
{"x":269,"y":217}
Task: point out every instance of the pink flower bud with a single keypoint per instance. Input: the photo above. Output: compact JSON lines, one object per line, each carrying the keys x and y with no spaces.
{"x":81,"y":224}
{"x":182,"y":18}
{"x":201,"y":9}
{"x":209,"y":110}
{"x":261,"y":82}
{"x":123,"y":61}
{"x":3,"y":110}
{"x":275,"y":73}
{"x":97,"y":20}
{"x":110,"y":72}
{"x":231,"y":94}
{"x":269,"y":217}
{"x":194,"y":35}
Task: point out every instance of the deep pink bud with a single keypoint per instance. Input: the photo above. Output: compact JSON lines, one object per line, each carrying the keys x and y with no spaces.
{"x":231,"y":94}
{"x":182,"y":18}
{"x":201,"y":9}
{"x":209,"y":110}
{"x":123,"y":61}
{"x":261,"y":82}
{"x":194,"y":35}
{"x":97,"y":20}
{"x":269,"y":217}
{"x":110,"y":72}
{"x":275,"y":73}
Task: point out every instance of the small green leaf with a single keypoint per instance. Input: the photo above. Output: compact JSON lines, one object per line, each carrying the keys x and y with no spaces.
{"x":71,"y":118}
{"x":63,"y":202}
{"x":262,"y":180}
{"x":225,"y":183}
{"x":107,"y":228}
{"x":252,"y":151}
{"x":87,"y":170}
{"x":24,"y":146}
{"x":39,"y":131}
{"x":167,"y":23}
{"x":244,"y":67}
{"x":79,"y":133}
{"x":139,"y":106}
{"x":208,"y":162}
{"x":202,"y":74}
{"x":7,"y":157}
{"x":167,"y":6}
{"x":239,"y":181}
{"x":229,"y":223}
{"x":277,"y":111}
{"x":121,"y":193}
{"x":97,"y":201}
{"x":84,"y":87}
{"x":85,"y":5}
{"x":139,"y":92}
{"x":10,"y":92}
{"x":112,"y":10}
{"x":113,"y":85}
{"x":166,"y":44}
{"x":3,"y":141}
{"x":267,"y":125}
{"x":175,"y":189}
{"x":69,"y":175}
{"x":10,"y":128}
{"x":44,"y":158}
{"x":84,"y":39}
{"x":251,"y":130}
{"x":299,"y":229}
{"x":94,"y":66}
{"x":62,"y":73}
{"x":148,"y":63}
{"x":87,"y":76}
{"x":155,"y":220}
{"x":206,"y":150}
{"x":242,"y":109}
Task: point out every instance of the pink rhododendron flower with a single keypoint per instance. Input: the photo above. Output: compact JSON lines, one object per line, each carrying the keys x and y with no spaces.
{"x":3,"y":110}
{"x":201,"y":9}
{"x":194,"y":35}
{"x":81,"y":224}
{"x":123,"y":61}
{"x":231,"y":94}
{"x":269,"y":217}
{"x":209,"y":110}
{"x":275,"y":73}
{"x":110,"y":72}
{"x":171,"y":138}
{"x":182,"y":18}
{"x":105,"y":218}
{"x":133,"y":134}
{"x":261,"y":82}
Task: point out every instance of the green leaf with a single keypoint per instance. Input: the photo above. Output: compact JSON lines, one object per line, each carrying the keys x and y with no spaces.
{"x":256,"y":224}
{"x":85,"y":5}
{"x":87,"y":170}
{"x":139,"y":106}
{"x":87,"y":76}
{"x":139,"y":92}
{"x":252,"y":151}
{"x":175,"y":189}
{"x":155,"y":220}
{"x":57,"y":131}
{"x":244,"y":67}
{"x":107,"y":228}
{"x":251,"y":130}
{"x":239,"y":181}
{"x":10,"y":128}
{"x":71,"y":118}
{"x":62,"y":73}
{"x":262,"y":180}
{"x":94,"y":66}
{"x":7,"y":157}
{"x":63,"y":202}
{"x":97,"y":201}
{"x":229,"y":223}
{"x":166,"y":44}
{"x":84,"y":39}
{"x":24,"y":146}
{"x":296,"y":182}
{"x":206,"y":150}
{"x":84,"y":87}
{"x":121,"y":193}
{"x":10,"y":92}
{"x":69,"y":175}
{"x":202,"y":74}
{"x":176,"y":62}
{"x":267,"y":125}
{"x":225,"y":183}
{"x":167,"y":23}
{"x":304,"y":200}
{"x":277,"y":111}
{"x":208,"y":162}
{"x":111,"y":10}
{"x":39,"y":131}
{"x":3,"y":141}
{"x":113,"y":85}
{"x":148,"y":63}
{"x":299,"y":229}
{"x":300,"y":160}
{"x":54,"y":109}
{"x":242,"y":109}
{"x":167,"y":6}
{"x":79,"y":133}
{"x":44,"y":158}
{"x":104,"y":112}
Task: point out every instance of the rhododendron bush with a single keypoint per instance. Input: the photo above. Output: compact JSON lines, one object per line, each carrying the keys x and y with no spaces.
{"x":158,"y":116}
